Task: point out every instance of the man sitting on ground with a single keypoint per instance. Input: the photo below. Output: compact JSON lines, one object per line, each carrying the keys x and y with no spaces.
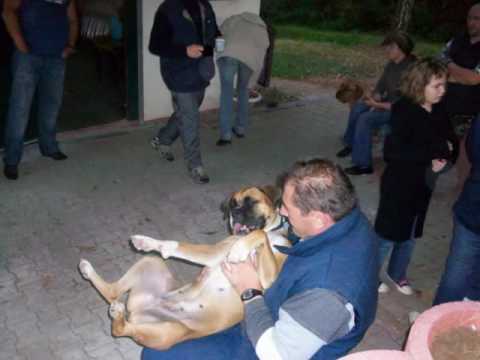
{"x":373,"y":111}
{"x":325,"y":296}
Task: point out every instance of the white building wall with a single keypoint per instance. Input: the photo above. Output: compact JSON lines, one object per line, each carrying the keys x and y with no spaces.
{"x":156,"y":97}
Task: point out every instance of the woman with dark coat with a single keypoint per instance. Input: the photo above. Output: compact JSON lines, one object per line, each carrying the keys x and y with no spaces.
{"x":419,"y":145}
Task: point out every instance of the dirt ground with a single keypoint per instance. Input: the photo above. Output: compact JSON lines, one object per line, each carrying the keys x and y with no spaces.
{"x":312,"y":86}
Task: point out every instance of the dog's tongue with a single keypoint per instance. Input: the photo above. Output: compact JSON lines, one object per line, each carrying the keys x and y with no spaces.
{"x":237,"y":228}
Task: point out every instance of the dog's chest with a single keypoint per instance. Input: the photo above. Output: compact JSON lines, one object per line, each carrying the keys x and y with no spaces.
{"x":278,"y":239}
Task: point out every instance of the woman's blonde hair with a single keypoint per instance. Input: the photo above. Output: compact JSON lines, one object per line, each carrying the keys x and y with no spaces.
{"x":417,"y":77}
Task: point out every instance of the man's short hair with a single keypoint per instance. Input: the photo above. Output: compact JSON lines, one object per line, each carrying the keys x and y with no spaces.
{"x":401,"y":38}
{"x":417,"y":77}
{"x":320,"y":185}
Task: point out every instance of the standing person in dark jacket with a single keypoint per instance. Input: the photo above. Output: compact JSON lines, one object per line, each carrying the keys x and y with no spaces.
{"x":461,"y":277}
{"x":462,"y":58}
{"x":325,"y":297}
{"x":416,"y":146}
{"x":44,"y":33}
{"x":183,"y":35}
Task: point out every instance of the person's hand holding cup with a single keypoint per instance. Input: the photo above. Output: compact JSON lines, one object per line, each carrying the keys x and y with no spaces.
{"x":219,"y":44}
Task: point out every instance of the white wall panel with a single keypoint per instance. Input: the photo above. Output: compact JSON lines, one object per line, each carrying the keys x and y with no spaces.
{"x":157,"y":101}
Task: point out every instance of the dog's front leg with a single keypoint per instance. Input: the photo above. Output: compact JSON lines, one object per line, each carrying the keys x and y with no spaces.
{"x":268,"y":265}
{"x":267,"y":262}
{"x":244,"y":246}
{"x":206,"y":255}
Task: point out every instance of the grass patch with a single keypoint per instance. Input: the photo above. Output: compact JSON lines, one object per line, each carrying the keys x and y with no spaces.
{"x":303,"y":53}
{"x":295,"y":32}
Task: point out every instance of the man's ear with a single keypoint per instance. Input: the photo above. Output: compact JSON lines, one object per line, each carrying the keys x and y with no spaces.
{"x":322,"y":221}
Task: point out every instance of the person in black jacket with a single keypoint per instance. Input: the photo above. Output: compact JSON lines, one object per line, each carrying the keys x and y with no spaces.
{"x":183,"y":35}
{"x":462,"y":58}
{"x":417,"y":146}
{"x":461,"y":276}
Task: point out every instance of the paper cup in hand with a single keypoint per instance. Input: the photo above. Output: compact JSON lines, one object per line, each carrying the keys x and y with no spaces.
{"x":219,"y":44}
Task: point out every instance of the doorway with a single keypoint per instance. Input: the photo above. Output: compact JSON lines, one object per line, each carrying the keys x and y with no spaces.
{"x":101,"y":83}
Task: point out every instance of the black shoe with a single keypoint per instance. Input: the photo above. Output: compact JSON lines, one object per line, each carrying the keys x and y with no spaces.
{"x":223,"y":142}
{"x":11,"y":172}
{"x":57,"y":156}
{"x":347,"y":150}
{"x":358,"y":170}
{"x":199,"y":176}
{"x":237,"y":134}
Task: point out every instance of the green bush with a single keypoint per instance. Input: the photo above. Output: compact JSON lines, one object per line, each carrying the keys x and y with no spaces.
{"x":432,"y":19}
{"x":335,"y":15}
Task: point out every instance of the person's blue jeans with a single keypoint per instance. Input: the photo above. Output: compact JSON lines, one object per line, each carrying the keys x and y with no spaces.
{"x":226,"y":345}
{"x":401,"y":254}
{"x":41,"y":75}
{"x":229,"y":67}
{"x":185,"y":122}
{"x":461,"y":277}
{"x":358,"y":135}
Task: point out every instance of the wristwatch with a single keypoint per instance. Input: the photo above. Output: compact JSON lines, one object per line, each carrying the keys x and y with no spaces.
{"x":250,"y":294}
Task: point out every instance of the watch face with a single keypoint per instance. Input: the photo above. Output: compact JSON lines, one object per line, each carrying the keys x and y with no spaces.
{"x":250,"y":294}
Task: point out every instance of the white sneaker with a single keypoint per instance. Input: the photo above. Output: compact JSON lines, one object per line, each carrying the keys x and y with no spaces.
{"x":404,"y":287}
{"x":164,"y":150}
{"x":383,"y":288}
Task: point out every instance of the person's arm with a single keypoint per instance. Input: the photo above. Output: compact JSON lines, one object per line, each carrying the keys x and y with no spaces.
{"x":12,"y":23}
{"x":463,"y":75}
{"x":457,"y":73}
{"x":72,"y":29}
{"x":296,"y":334}
{"x":380,"y":105}
{"x":472,"y":143}
{"x":381,"y":86}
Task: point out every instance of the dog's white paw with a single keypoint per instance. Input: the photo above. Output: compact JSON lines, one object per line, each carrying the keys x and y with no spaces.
{"x":86,"y":269}
{"x":116,"y":310}
{"x":239,"y":252}
{"x":144,"y":243}
{"x":167,"y":248}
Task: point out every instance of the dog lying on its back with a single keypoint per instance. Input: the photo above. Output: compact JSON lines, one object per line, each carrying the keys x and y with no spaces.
{"x":158,"y":314}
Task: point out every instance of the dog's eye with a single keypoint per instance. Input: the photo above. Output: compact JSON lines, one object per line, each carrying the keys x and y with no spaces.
{"x":249,"y":201}
{"x":233,"y":204}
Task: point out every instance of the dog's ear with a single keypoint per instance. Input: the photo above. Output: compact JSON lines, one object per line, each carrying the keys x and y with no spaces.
{"x":274,"y":194}
{"x":225,"y":207}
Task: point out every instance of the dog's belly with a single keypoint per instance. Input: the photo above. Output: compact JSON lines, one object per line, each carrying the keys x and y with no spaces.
{"x":207,"y":305}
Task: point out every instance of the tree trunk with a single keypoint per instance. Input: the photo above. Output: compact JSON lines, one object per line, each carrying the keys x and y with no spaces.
{"x":403,"y":14}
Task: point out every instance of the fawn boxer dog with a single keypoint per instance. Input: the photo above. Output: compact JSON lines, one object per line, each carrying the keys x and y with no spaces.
{"x":159,"y":315}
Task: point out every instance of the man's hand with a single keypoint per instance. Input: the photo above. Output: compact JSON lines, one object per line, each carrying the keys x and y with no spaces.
{"x":242,"y":275}
{"x":22,"y":47}
{"x":194,"y":51}
{"x":370,"y":101}
{"x":67,"y":52}
{"x":438,"y":164}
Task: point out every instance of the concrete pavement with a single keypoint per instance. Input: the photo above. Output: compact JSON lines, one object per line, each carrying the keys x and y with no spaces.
{"x":114,"y":185}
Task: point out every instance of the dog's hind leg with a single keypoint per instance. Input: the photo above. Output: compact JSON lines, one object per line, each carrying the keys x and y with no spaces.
{"x":160,"y":336}
{"x":113,"y":290}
